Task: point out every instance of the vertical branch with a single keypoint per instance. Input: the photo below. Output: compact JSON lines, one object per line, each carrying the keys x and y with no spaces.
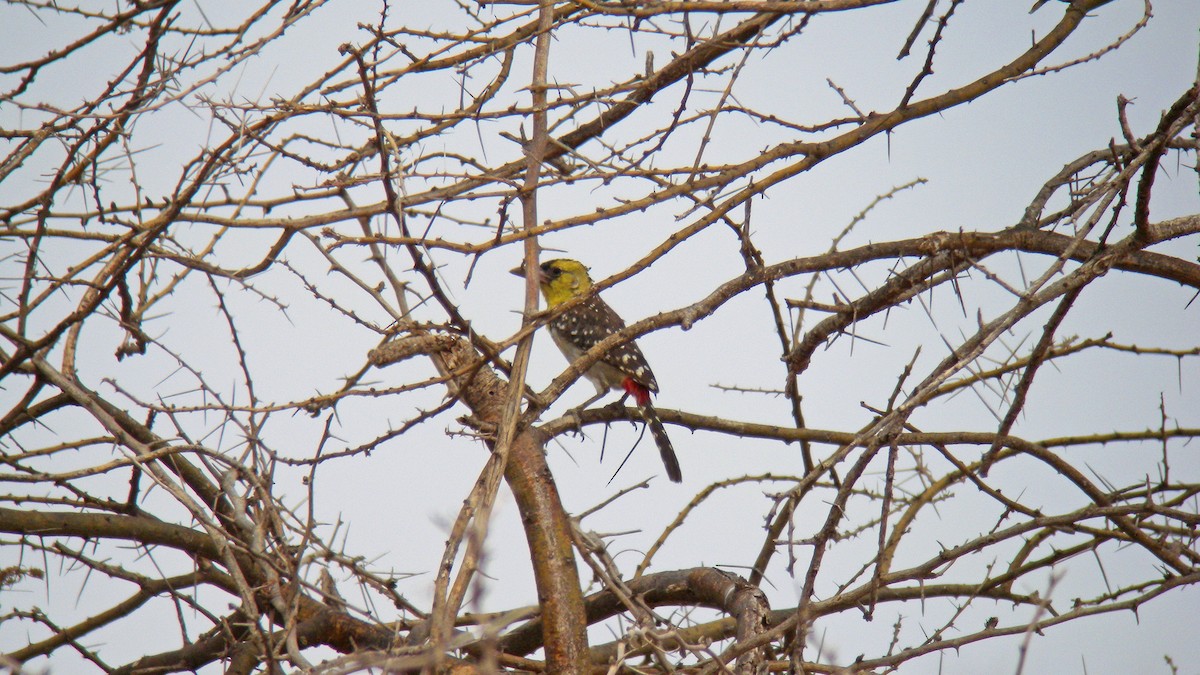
{"x":547,"y":527}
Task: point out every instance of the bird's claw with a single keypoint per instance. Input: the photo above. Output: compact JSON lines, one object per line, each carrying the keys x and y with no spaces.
{"x":574,"y":420}
{"x":616,"y":406}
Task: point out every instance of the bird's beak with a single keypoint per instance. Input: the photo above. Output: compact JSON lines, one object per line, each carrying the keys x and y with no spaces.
{"x":519,"y":271}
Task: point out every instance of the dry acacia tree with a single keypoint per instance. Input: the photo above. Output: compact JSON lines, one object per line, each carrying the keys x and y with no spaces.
{"x":272,"y":403}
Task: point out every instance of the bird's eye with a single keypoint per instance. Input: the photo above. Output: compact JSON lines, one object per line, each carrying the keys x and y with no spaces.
{"x":550,"y":270}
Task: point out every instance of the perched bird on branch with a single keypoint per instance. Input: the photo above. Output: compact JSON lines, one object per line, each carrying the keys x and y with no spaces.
{"x":622,"y":368}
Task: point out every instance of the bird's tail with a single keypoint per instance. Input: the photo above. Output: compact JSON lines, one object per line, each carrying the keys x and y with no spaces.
{"x":665,"y":449}
{"x":641,"y":394}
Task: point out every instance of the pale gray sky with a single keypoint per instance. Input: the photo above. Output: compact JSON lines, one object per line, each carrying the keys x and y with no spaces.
{"x":982,"y":162}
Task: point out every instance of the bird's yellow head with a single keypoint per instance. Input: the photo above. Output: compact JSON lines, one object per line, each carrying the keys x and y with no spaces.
{"x":561,"y":279}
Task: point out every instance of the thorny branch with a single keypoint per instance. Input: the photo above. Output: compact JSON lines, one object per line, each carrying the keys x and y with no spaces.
{"x":203,"y":257}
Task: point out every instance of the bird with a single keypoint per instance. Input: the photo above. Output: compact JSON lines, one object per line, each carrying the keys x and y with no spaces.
{"x":622,"y":368}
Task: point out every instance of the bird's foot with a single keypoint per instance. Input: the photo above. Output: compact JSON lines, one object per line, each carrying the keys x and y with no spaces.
{"x":616,"y":406}
{"x":574,"y":420}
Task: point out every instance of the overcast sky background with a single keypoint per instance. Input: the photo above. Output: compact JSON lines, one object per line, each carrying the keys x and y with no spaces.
{"x":982,"y":164}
